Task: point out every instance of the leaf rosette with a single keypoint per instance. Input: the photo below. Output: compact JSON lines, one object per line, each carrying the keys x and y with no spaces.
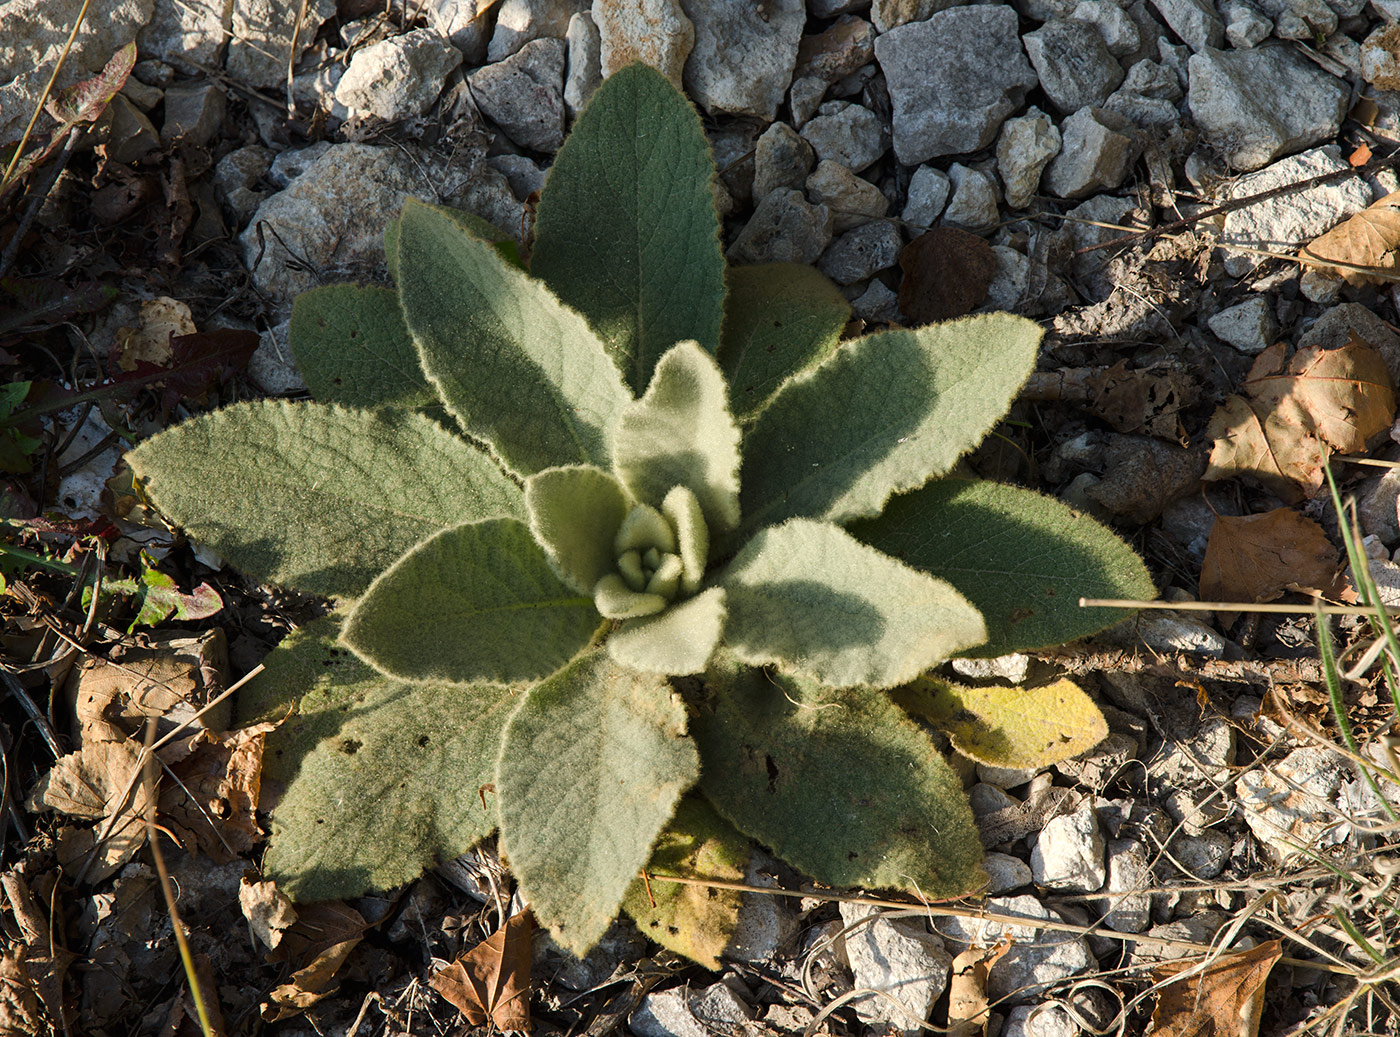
{"x":549,"y":492}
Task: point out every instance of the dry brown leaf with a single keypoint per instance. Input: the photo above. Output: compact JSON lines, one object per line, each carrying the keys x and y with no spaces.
{"x":150,"y":343}
{"x":92,"y":783}
{"x":223,"y":773}
{"x":318,"y":943}
{"x":967,"y":990}
{"x":1258,"y":557}
{"x":946,"y":274}
{"x":1293,"y":413}
{"x":1225,"y":1000}
{"x":308,"y":985}
{"x":268,"y":910}
{"x":1370,"y":239}
{"x":20,"y":1010}
{"x":1142,"y":401}
{"x":491,"y":982}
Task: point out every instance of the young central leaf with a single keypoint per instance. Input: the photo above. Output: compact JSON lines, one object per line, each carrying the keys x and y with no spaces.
{"x":659,"y":556}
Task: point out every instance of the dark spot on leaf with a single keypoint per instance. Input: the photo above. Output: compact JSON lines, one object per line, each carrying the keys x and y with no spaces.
{"x":354,"y":333}
{"x":335,"y":381}
{"x":321,"y":322}
{"x":772,"y":772}
{"x":852,"y":855}
{"x":422,"y":741}
{"x":350,"y":746}
{"x":1020,"y":615}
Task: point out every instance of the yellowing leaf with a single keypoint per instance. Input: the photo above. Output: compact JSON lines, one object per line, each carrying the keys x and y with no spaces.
{"x":1019,"y":727}
{"x":1369,"y":239}
{"x":1293,"y":413}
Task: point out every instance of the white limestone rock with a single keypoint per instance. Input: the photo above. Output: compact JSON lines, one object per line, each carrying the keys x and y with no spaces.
{"x":397,"y":78}
{"x":953,"y":78}
{"x":861,"y":252}
{"x":1038,"y":957}
{"x":1245,"y":26}
{"x":465,"y":23}
{"x":262,"y":36}
{"x":520,"y":21}
{"x":974,"y":202}
{"x":784,"y":228}
{"x":744,"y":54}
{"x":1291,"y":806}
{"x":899,"y":957}
{"x":524,"y":94}
{"x":1068,"y":853}
{"x":188,"y":30}
{"x":655,"y":31}
{"x":929,"y":189}
{"x":1255,"y":105}
{"x":1112,"y":22}
{"x":1075,"y":66}
{"x":852,"y":201}
{"x":782,"y":158}
{"x":1195,"y":21}
{"x":1248,"y":326}
{"x":1098,"y":150}
{"x":1005,"y":873}
{"x":845,"y":132}
{"x":584,"y":68}
{"x":1128,"y":909}
{"x":1024,"y":148}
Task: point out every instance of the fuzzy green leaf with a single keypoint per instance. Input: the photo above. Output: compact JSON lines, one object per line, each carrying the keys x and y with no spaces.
{"x":575,"y":514}
{"x":590,"y":771}
{"x":318,"y":497}
{"x":375,"y":779}
{"x":677,"y":641}
{"x":513,"y":365}
{"x":352,"y":347}
{"x":470,"y":222}
{"x":1024,"y":559}
{"x":779,"y":319}
{"x":881,"y":415}
{"x":695,"y":921}
{"x":681,"y":434}
{"x":843,"y":785}
{"x":626,"y":230}
{"x":1023,"y":727}
{"x":811,"y":596}
{"x":477,"y":602}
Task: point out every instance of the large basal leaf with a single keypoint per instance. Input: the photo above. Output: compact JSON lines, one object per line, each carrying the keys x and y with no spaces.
{"x":1024,"y":559}
{"x":477,"y":602}
{"x":626,"y":230}
{"x":881,"y":415}
{"x":318,"y":497}
{"x":376,"y":779}
{"x":352,"y":347}
{"x":1023,"y":728}
{"x":470,"y":222}
{"x":779,"y":319}
{"x":696,"y":921}
{"x":842,"y":785}
{"x":681,"y":434}
{"x":809,"y":595}
{"x":590,"y":771}
{"x":512,"y":364}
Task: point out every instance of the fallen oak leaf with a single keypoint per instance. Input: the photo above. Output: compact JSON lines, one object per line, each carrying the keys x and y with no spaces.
{"x":491,"y":982}
{"x":1257,"y":557}
{"x":1369,"y":240}
{"x":1223,"y":1000}
{"x":1293,"y":412}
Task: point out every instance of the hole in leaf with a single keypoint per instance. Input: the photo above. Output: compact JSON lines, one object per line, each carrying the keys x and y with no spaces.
{"x":350,"y":746}
{"x":422,"y":741}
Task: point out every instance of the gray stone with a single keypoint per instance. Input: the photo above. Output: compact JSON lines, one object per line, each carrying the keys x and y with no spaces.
{"x":1198,"y":929}
{"x":585,"y":70}
{"x":262,"y":36}
{"x":861,"y":252}
{"x":1128,"y":909}
{"x":765,"y":923}
{"x":1047,"y":1020}
{"x":987,"y":798}
{"x":523,"y":175}
{"x":1291,"y":805}
{"x":35,"y":32}
{"x":974,"y":202}
{"x":292,"y":163}
{"x":782,"y":158}
{"x":236,"y":178}
{"x":878,"y":304}
{"x":1149,"y":96}
{"x":900,"y":958}
{"x":1195,"y":21}
{"x":1248,"y":326}
{"x":1068,"y":853}
{"x":1377,"y":508}
{"x":1178,"y":632}
{"x":1245,"y":27}
{"x":852,"y":201}
{"x":888,"y":14}
{"x":129,"y":135}
{"x":397,"y":78}
{"x":1074,"y":64}
{"x":186,"y":30}
{"x":744,"y":54}
{"x":1096,"y":768}
{"x":465,"y":23}
{"x":1284,"y":222}
{"x":1011,"y":668}
{"x":1011,"y":278}
{"x":1007,"y":777}
{"x":733,"y":147}
{"x":1037,"y":958}
{"x":831,"y":8}
{"x":952,"y":79}
{"x":1255,"y":105}
{"x":1005,"y":873}
{"x":679,"y":1013}
{"x":1024,"y":148}
{"x":272,"y":366}
{"x":520,"y":21}
{"x":805,"y":98}
{"x":655,"y":31}
{"x":847,"y":133}
{"x":524,"y":94}
{"x":1187,"y":774}
{"x":1204,"y":855}
{"x":1301,"y":19}
{"x":784,"y":228}
{"x":928,"y":194}
{"x":1098,"y":151}
{"x":843,"y":48}
{"x":1112,"y":22}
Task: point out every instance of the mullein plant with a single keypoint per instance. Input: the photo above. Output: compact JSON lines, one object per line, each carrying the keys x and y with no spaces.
{"x":629,"y":551}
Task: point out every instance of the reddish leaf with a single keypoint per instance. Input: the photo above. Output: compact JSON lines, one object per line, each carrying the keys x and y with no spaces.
{"x":491,"y":982}
{"x":946,"y":275}
{"x":37,"y":303}
{"x":86,"y":101}
{"x":198,"y":363}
